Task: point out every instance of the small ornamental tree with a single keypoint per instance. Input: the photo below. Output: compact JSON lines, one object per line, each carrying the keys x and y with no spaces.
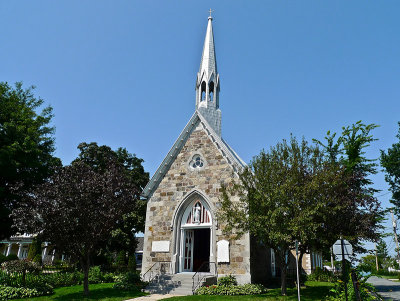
{"x":77,"y":209}
{"x":34,"y":249}
{"x":123,"y":236}
{"x":21,"y":267}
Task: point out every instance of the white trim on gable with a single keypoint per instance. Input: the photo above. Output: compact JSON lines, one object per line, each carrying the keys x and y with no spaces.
{"x":232,"y":158}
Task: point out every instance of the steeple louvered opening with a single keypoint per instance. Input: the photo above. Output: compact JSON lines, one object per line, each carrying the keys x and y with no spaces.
{"x":211,"y":91}
{"x":203,"y":91}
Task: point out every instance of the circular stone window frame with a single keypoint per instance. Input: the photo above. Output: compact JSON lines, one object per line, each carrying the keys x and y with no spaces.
{"x":191,"y":159}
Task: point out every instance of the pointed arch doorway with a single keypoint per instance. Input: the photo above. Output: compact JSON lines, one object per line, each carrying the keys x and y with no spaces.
{"x":194,"y":240}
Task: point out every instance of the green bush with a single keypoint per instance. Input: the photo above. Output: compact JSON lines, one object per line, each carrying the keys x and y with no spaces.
{"x":232,"y":290}
{"x":338,"y":294}
{"x":128,"y":281}
{"x":97,"y":276}
{"x":34,"y":249}
{"x":321,"y":275}
{"x":386,"y":273}
{"x":62,"y":279}
{"x":227,"y":280}
{"x":8,"y":292}
{"x":12,"y":257}
{"x":3,"y":258}
{"x":37,"y":259}
{"x":132,"y":263}
{"x":120,"y":260}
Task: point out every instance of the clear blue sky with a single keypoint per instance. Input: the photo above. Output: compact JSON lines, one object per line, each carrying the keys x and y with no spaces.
{"x":122,"y":73}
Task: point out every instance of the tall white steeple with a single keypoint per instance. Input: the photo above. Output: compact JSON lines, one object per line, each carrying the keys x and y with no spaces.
{"x":207,"y":83}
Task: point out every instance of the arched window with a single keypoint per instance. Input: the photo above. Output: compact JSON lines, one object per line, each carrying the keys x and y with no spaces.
{"x":211,"y":91}
{"x":203,"y":91}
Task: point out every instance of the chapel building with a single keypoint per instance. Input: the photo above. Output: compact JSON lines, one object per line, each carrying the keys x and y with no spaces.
{"x":182,"y":230}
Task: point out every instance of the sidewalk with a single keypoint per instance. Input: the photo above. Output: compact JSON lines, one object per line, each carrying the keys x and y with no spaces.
{"x":153,"y":297}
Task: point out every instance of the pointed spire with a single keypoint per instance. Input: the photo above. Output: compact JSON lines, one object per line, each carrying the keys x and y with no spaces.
{"x":208,"y":62}
{"x":207,"y":84}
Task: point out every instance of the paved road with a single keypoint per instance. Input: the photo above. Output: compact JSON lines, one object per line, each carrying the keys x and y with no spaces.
{"x":389,"y":290}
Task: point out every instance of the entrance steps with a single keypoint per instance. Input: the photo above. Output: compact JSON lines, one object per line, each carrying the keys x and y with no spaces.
{"x":176,"y":284}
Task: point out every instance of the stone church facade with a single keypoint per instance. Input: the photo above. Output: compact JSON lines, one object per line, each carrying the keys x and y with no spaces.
{"x":182,"y":228}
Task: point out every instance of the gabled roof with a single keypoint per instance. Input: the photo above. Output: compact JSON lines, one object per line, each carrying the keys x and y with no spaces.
{"x":227,"y":152}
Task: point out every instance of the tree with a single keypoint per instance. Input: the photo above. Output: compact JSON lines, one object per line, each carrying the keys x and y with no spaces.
{"x":390,"y":162}
{"x":34,"y":249}
{"x":381,"y":249}
{"x":279,"y":199}
{"x":123,"y":237}
{"x":354,"y":212}
{"x":78,"y":207}
{"x":26,"y":148}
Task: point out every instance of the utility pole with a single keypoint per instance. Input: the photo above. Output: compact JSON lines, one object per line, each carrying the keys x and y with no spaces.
{"x":394,"y":223}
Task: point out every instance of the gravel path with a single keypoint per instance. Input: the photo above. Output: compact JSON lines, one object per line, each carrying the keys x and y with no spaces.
{"x":389,"y":290}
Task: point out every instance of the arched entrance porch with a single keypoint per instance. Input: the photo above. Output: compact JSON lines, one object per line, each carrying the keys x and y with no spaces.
{"x":194,"y":235}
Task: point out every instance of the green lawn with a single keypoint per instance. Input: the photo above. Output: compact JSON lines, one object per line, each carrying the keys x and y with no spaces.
{"x":102,"y":291}
{"x":313,"y":291}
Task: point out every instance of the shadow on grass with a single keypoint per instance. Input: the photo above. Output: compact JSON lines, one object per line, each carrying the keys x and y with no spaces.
{"x":107,"y":293}
{"x":313,"y":292}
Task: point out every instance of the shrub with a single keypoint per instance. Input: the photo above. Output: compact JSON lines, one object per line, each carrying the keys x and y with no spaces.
{"x":128,"y":281}
{"x":365,"y":289}
{"x":97,"y":276}
{"x":232,"y":290}
{"x":3,"y":258}
{"x":120,"y":261}
{"x":21,"y":267}
{"x":321,"y":275}
{"x":63,"y":279}
{"x":227,"y":280}
{"x":12,"y":257}
{"x":8,"y":292}
{"x":34,"y":249}
{"x":37,"y":259}
{"x":132,"y":263}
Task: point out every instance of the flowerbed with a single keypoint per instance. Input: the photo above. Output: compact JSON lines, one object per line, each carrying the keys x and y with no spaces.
{"x":8,"y":292}
{"x":228,"y":286}
{"x":232,"y":290}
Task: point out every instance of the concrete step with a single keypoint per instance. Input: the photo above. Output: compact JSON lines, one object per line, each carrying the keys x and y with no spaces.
{"x":177,"y":284}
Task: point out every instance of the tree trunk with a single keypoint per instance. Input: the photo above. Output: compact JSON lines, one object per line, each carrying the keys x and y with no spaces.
{"x":300,"y":262}
{"x":283,"y":280}
{"x":85,"y":267}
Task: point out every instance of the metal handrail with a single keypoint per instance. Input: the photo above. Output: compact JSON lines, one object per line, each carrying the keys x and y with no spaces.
{"x":198,"y":274}
{"x":152,"y":271}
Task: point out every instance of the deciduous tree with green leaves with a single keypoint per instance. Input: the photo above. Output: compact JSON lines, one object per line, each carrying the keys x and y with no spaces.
{"x":26,"y":147}
{"x":390,"y":161}
{"x":281,"y":193}
{"x":355,"y":213}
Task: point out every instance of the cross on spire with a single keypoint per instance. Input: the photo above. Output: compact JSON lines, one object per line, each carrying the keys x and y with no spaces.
{"x":210,"y":11}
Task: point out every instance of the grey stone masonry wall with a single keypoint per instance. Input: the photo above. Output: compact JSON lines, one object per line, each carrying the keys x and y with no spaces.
{"x":178,"y":182}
